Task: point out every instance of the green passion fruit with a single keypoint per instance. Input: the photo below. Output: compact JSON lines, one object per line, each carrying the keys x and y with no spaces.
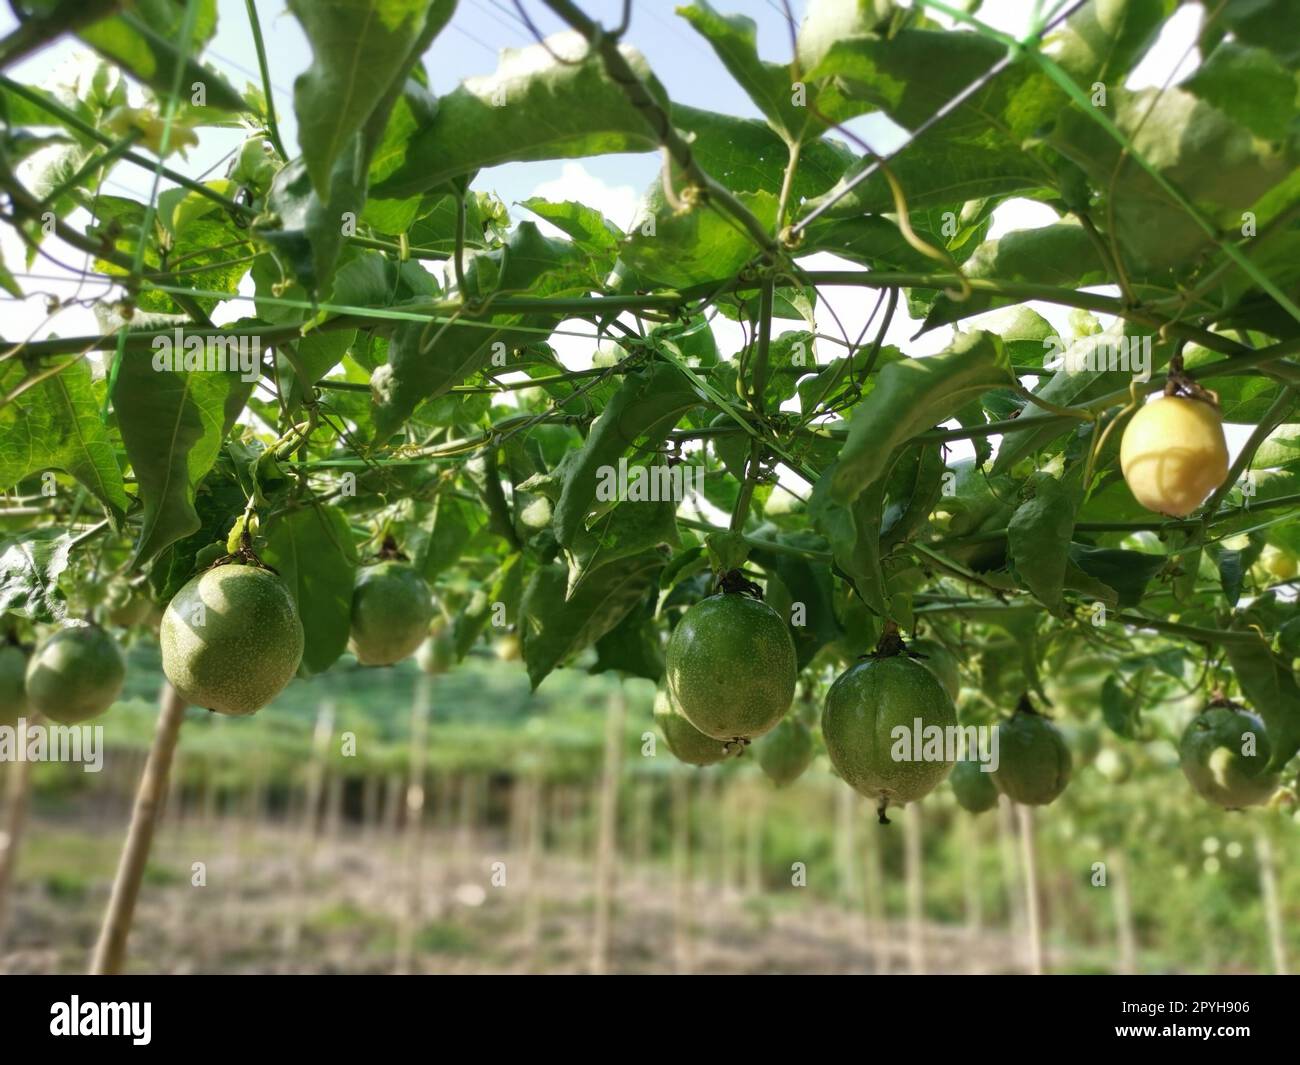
{"x":231,"y":639}
{"x":13,"y":683}
{"x":391,"y":611}
{"x":1034,"y":761}
{"x":687,"y":743}
{"x":1224,"y":754}
{"x":76,"y":674}
{"x":974,"y":788}
{"x":786,"y":751}
{"x":731,"y":667}
{"x":877,"y":714}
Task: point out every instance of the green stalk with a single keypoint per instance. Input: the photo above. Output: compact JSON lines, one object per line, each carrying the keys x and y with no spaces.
{"x":272,"y":127}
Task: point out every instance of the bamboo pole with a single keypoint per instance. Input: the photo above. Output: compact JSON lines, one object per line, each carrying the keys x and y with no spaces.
{"x":369,"y":806}
{"x":683,"y":948}
{"x":1269,"y":898}
{"x":414,"y":823}
{"x":607,"y":840}
{"x":913,"y":875}
{"x":1029,"y":866}
{"x":392,"y":806}
{"x":846,"y":845}
{"x":755,"y":807}
{"x":1010,"y":873}
{"x":19,"y":796}
{"x":873,"y":910}
{"x":969,"y":841}
{"x":307,"y":829}
{"x":110,"y":951}
{"x":534,"y":842}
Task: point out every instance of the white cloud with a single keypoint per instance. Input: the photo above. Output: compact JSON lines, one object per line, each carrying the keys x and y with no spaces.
{"x":618,"y":203}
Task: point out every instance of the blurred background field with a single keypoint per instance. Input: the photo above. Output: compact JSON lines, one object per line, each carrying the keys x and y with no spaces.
{"x":384,"y":821}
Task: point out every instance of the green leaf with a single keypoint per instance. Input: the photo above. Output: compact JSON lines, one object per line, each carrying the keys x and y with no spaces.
{"x":554,"y":627}
{"x":977,"y":150}
{"x":912,"y":490}
{"x":802,"y":591}
{"x":505,"y":587}
{"x":306,"y":230}
{"x":172,"y":424}
{"x":1127,"y":572}
{"x":734,"y":38}
{"x":726,"y":550}
{"x":1120,"y":710}
{"x":1271,"y":24}
{"x":911,"y":396}
{"x":1105,"y":39}
{"x":627,"y":528}
{"x":853,"y":531}
{"x":1060,"y":254}
{"x":1280,"y":449}
{"x":1248,"y":85}
{"x":684,"y":248}
{"x":646,"y":407}
{"x":587,"y":227}
{"x":633,"y":648}
{"x":1038,"y":537}
{"x":453,"y":523}
{"x":532,"y":108}
{"x":746,"y":156}
{"x":56,"y":425}
{"x":358,"y":47}
{"x":1216,"y":164}
{"x":1270,"y":686}
{"x":420,"y":369}
{"x":312,"y":549}
{"x":30,"y":566}
{"x":134,"y":46}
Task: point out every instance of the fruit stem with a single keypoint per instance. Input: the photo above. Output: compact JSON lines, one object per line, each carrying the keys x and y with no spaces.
{"x":734,"y":582}
{"x":890,"y":643}
{"x":881,"y":807}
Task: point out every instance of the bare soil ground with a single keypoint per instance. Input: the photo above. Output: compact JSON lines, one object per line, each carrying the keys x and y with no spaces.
{"x":231,"y":898}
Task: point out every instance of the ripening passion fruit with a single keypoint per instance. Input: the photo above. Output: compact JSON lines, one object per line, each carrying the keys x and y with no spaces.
{"x":731,"y":667}
{"x":1034,"y":761}
{"x":973,"y":787}
{"x":687,"y":743}
{"x":437,"y":654}
{"x":1174,"y":454}
{"x":786,"y":751}
{"x":76,"y":674}
{"x":1224,"y":754}
{"x":13,"y":683}
{"x":231,"y":639}
{"x":391,"y":611}
{"x":1278,"y":564}
{"x":877,"y":713}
